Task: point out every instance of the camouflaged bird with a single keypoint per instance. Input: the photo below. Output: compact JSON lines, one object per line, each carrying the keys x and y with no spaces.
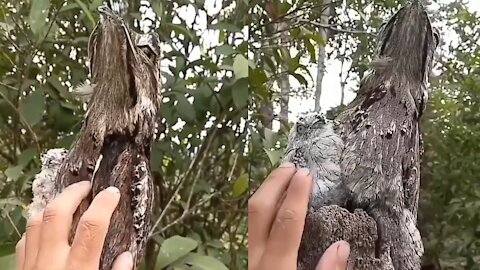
{"x":313,"y":143}
{"x":114,"y":145}
{"x":380,"y":132}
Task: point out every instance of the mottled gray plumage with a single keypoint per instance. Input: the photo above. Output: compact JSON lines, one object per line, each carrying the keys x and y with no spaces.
{"x":114,"y":145}
{"x":314,"y":144}
{"x":380,"y":130}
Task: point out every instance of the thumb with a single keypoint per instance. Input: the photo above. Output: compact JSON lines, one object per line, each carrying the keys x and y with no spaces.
{"x":124,"y":261}
{"x":335,"y":257}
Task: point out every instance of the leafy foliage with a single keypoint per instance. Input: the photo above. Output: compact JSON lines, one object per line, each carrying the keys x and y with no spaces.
{"x":450,"y":200}
{"x":199,"y":161}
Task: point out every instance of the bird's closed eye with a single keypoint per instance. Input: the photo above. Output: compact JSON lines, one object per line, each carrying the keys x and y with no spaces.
{"x":148,"y":52}
{"x":436,"y":36}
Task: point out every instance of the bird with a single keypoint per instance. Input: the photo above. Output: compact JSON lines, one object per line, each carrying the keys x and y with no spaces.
{"x":113,"y":147}
{"x":380,"y":132}
{"x":313,"y":143}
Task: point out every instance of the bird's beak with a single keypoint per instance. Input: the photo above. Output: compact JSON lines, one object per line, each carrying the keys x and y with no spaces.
{"x":108,"y":13}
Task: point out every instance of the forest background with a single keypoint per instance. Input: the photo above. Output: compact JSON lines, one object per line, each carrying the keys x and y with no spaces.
{"x":201,"y":169}
{"x":312,"y":55}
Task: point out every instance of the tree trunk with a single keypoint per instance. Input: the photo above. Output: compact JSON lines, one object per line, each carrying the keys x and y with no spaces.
{"x":323,"y":32}
{"x":284,"y":77}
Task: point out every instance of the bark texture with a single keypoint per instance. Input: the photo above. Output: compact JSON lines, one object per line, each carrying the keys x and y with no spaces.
{"x":380,"y":160}
{"x":113,"y":147}
{"x":330,"y":224}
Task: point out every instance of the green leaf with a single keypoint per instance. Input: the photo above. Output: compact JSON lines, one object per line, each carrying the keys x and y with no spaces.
{"x":311,"y":50}
{"x":317,"y":38}
{"x":204,"y":262}
{"x":173,"y":249}
{"x":180,"y":29}
{"x":11,"y":201}
{"x":225,"y":49}
{"x":38,"y":15}
{"x":7,"y":249}
{"x":185,"y":109}
{"x":27,"y":156}
{"x":299,"y":78}
{"x":240,"y":66}
{"x":5,"y":27}
{"x":32,"y":107}
{"x":283,"y":8}
{"x":257,"y":77}
{"x":87,"y":12}
{"x":274,"y":155}
{"x":8,"y":262}
{"x":158,"y":8}
{"x":225,"y":26}
{"x":14,"y":172}
{"x":240,"y":185}
{"x":240,"y":93}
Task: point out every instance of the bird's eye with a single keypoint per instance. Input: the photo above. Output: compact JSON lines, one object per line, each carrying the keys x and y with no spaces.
{"x":301,"y":129}
{"x":148,"y":52}
{"x":436,"y":36}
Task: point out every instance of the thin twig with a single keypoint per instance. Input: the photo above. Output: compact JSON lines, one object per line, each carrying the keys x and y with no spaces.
{"x":334,"y":28}
{"x":233,"y":167}
{"x":9,"y":86}
{"x":23,"y":120}
{"x":186,"y":212}
{"x":7,"y":158}
{"x":197,"y":160}
{"x":13,"y":224}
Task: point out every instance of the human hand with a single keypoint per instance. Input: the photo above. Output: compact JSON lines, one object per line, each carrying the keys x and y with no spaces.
{"x":276,"y":217}
{"x":45,"y":242}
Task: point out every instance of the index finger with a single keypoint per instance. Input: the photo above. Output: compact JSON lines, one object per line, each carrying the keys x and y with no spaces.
{"x":20,"y":252}
{"x":92,"y":229}
{"x":284,"y":239}
{"x":262,"y":207}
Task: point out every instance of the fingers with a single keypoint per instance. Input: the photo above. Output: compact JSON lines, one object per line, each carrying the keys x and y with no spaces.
{"x":57,"y":221}
{"x":287,"y":229}
{"x":32,"y":240}
{"x":123,"y":262}
{"x":335,"y":257}
{"x":20,"y":253}
{"x":92,"y":229}
{"x":262,"y":207}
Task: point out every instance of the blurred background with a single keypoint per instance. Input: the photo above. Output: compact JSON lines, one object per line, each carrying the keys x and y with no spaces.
{"x":309,"y":54}
{"x":199,"y":160}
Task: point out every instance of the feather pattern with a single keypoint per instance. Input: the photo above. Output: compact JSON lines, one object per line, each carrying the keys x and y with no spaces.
{"x":113,"y":147}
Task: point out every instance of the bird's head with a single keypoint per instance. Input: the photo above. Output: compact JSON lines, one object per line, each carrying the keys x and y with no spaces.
{"x":120,"y":57}
{"x":406,"y":43}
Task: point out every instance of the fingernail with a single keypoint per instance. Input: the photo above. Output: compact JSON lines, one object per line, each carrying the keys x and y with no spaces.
{"x":84,"y":183}
{"x":113,"y":190}
{"x":287,"y":165}
{"x":124,"y":261}
{"x":303,"y":172}
{"x":343,"y":251}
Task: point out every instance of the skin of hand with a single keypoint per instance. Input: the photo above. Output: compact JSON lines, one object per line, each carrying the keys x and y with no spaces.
{"x":276,"y":217}
{"x":45,"y":245}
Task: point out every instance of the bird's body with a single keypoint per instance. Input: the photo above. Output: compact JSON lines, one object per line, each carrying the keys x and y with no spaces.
{"x":314,"y":144}
{"x":114,"y":144}
{"x":381,"y":160}
{"x":380,"y":131}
